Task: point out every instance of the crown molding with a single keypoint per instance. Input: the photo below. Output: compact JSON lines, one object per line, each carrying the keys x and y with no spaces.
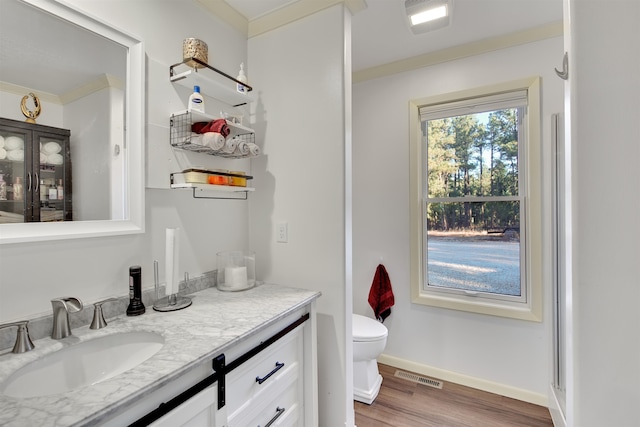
{"x":103,"y":82}
{"x":297,"y":10}
{"x":355,"y":6}
{"x":22,"y":90}
{"x":276,"y":18}
{"x":222,"y":10}
{"x":462,"y":51}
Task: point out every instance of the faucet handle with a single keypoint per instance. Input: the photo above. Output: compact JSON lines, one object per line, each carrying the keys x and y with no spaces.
{"x":23,"y":340}
{"x":98,"y":321}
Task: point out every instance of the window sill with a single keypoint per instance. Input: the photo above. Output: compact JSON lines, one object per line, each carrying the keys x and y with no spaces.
{"x":530,"y":312}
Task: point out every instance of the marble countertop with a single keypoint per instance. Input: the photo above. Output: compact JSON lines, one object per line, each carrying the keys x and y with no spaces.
{"x":214,"y":322}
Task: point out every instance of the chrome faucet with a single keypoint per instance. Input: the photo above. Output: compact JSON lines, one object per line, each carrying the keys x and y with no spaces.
{"x":23,"y":340}
{"x":98,"y":321}
{"x":61,"y":308}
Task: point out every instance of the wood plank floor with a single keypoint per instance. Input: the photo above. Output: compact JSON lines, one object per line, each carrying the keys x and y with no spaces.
{"x":403,"y":403}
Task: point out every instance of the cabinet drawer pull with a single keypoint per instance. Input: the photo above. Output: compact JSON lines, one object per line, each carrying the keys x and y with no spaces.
{"x":279,"y":411}
{"x":266,"y":377}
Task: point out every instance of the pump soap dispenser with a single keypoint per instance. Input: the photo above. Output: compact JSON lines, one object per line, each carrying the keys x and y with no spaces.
{"x":242,"y":78}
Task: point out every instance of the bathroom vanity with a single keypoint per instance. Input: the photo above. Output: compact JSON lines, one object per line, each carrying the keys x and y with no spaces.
{"x":230,"y":359}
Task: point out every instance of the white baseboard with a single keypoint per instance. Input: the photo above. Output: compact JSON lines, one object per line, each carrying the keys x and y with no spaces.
{"x":466,"y":380}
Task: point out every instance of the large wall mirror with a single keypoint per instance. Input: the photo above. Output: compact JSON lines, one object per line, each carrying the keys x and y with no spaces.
{"x":87,"y":78}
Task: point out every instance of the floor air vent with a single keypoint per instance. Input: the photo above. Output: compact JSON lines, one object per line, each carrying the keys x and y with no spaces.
{"x":419,"y":379}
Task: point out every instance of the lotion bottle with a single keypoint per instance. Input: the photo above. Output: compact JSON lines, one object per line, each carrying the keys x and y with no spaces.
{"x":53,"y":191}
{"x":196,"y":101}
{"x":60,"y":190}
{"x":243,"y":78}
{"x":44,"y":191}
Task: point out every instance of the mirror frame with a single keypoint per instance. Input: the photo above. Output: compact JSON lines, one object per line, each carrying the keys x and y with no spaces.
{"x":133,"y":144}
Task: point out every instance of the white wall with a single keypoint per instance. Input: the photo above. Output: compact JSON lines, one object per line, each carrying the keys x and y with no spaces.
{"x":502,"y":355}
{"x":300,"y":118}
{"x":604,"y":66}
{"x":91,"y":153}
{"x":92,"y":269}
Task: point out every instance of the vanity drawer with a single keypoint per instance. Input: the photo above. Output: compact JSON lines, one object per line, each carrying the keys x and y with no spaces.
{"x":281,"y":408}
{"x":266,"y":374}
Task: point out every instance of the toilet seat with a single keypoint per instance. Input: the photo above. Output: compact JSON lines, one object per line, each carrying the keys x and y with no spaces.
{"x":366,"y":329}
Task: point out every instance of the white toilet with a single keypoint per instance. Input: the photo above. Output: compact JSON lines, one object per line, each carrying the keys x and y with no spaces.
{"x":369,"y":340}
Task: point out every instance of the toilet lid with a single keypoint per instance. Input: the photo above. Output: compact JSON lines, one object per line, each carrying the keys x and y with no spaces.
{"x":367,"y":329}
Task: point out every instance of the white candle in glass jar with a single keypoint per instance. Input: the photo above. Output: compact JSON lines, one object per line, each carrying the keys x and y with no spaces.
{"x":235,"y":277}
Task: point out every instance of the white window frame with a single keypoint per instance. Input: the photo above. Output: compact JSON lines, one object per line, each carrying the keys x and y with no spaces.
{"x":501,"y":101}
{"x":529,"y":307}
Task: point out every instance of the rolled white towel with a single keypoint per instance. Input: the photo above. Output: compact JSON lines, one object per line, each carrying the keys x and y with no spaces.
{"x":3,"y":154}
{"x":51,"y":147}
{"x":213,"y":140}
{"x":195,"y":139}
{"x":242,"y":148}
{"x":44,"y":159}
{"x":1,"y":141}
{"x":230,"y":145}
{"x":254,"y":149}
{"x":13,"y":143}
{"x":55,"y":159}
{"x":16,"y":155}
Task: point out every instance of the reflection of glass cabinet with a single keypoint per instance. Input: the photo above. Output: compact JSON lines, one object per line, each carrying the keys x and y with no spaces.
{"x":35,"y":173}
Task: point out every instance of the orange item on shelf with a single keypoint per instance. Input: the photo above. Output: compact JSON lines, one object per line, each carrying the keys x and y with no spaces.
{"x":238,"y":181}
{"x":218,"y":180}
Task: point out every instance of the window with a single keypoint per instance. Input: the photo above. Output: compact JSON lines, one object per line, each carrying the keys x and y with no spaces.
{"x":475,"y":214}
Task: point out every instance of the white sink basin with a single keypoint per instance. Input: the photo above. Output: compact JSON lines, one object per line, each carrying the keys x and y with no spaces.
{"x":82,"y":364}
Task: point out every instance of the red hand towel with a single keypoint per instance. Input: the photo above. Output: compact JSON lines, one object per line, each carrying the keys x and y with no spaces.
{"x":219,"y":125}
{"x":381,"y":295}
{"x":198,"y":126}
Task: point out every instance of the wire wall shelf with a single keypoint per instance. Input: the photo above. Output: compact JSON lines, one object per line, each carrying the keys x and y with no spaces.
{"x":183,"y":138}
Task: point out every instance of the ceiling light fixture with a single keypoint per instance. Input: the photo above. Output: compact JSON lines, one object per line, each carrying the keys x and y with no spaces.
{"x":428,"y":15}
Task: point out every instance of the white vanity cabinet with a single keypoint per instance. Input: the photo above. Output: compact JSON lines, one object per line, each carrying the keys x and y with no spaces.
{"x":267,"y":379}
{"x":270,"y":386}
{"x":266,"y":390}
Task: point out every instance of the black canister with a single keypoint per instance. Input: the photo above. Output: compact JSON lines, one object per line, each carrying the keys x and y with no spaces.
{"x":136,"y":307}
